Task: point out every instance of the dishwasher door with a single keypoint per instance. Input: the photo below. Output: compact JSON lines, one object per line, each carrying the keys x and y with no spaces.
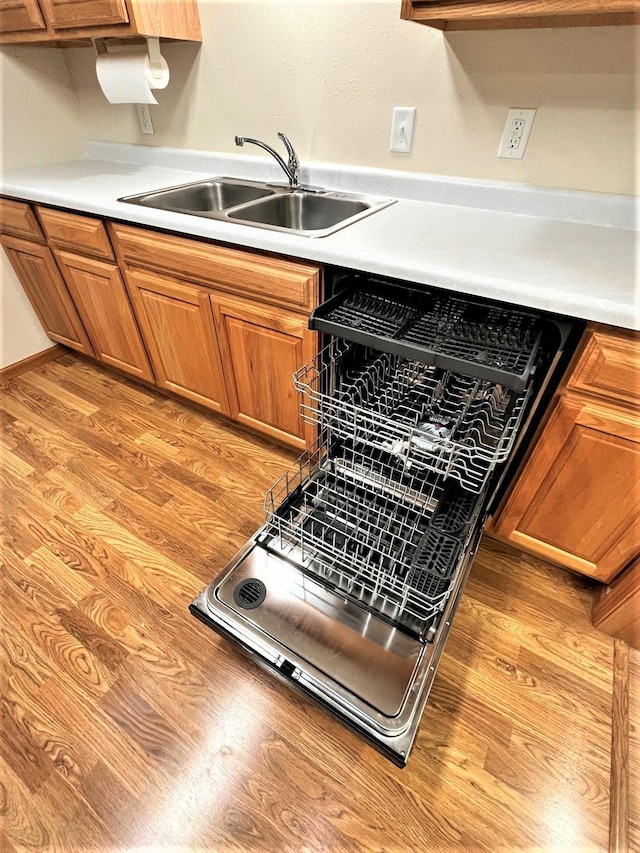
{"x":374,"y":677}
{"x":348,"y":591}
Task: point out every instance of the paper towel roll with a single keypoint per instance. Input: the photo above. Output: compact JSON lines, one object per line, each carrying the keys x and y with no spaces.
{"x":127,"y":78}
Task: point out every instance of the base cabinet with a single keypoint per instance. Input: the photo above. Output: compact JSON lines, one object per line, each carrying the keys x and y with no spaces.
{"x":40,"y":277}
{"x":616,"y":608}
{"x":177,"y":324}
{"x":577,"y":502}
{"x":224,"y":327}
{"x":103,"y":304}
{"x":262,"y":346}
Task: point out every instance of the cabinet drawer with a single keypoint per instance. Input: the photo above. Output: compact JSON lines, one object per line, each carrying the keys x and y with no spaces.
{"x":18,"y":219}
{"x":82,"y":234}
{"x":610,"y":365}
{"x":274,"y":280}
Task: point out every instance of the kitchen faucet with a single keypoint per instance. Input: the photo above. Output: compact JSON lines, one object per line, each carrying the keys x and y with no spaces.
{"x":291,"y":169}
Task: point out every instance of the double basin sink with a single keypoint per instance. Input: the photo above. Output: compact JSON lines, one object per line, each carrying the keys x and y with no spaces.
{"x":310,"y":214}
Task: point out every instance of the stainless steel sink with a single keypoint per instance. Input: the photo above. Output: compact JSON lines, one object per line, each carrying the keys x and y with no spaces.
{"x":204,"y":197}
{"x":311,"y":214}
{"x":299,"y":211}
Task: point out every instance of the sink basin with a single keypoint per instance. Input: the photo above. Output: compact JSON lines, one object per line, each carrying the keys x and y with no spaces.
{"x":206,"y":196}
{"x":301,"y":212}
{"x":278,"y":208}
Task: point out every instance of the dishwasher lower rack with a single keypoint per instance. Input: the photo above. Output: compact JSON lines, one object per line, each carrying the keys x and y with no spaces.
{"x":384,"y":538}
{"x":429,"y":419}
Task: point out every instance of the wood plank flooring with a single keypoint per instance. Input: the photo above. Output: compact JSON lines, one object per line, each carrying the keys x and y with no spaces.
{"x":634,"y":749}
{"x":128,"y":725}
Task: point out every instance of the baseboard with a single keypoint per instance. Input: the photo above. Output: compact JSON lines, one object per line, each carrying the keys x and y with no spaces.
{"x":32,"y":361}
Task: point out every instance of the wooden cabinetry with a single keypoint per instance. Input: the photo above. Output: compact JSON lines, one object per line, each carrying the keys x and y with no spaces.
{"x":26,"y":21}
{"x":577,"y":501}
{"x":66,"y":14}
{"x":39,"y":276}
{"x":96,"y":287}
{"x":100,"y":296}
{"x":18,"y":219}
{"x":512,"y":14}
{"x":616,"y":609}
{"x":224,"y":327}
{"x":177,"y":323}
{"x":261,"y":347}
{"x":21,"y":16}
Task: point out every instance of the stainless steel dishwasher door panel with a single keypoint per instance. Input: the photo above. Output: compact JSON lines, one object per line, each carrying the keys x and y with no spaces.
{"x":371,"y":675}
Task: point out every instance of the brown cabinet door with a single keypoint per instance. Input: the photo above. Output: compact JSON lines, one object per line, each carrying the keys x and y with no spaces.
{"x":178,"y":329}
{"x":40,"y":277}
{"x":577,"y":501}
{"x":20,"y":15}
{"x":67,"y":14}
{"x":262,"y":346}
{"x":103,"y":304}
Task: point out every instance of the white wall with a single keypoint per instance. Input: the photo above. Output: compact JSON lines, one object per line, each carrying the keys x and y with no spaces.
{"x":328,"y":73}
{"x":38,"y":123}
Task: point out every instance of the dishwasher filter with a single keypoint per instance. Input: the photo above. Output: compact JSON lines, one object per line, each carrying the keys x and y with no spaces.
{"x":349,"y":589}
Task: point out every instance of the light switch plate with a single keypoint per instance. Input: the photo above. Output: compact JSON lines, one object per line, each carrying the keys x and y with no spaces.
{"x":144,"y":117}
{"x":402,"y":129}
{"x":516,"y":133}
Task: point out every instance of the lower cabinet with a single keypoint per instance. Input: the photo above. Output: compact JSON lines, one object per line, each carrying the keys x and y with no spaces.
{"x":262,"y":346}
{"x":40,"y":277}
{"x":177,"y":324}
{"x":577,"y":502}
{"x":102,"y":302}
{"x":224,"y":327}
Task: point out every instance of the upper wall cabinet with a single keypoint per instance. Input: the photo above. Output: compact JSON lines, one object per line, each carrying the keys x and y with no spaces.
{"x":516,"y":14}
{"x":62,"y":21}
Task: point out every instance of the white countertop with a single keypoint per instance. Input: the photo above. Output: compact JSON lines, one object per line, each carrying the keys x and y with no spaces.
{"x":541,"y":261}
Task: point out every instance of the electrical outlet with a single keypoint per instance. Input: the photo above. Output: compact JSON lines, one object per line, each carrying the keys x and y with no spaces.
{"x":516,"y":133}
{"x":402,"y":129}
{"x":144,"y":117}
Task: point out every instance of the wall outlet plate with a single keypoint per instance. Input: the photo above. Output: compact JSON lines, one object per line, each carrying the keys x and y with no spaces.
{"x":516,"y":133}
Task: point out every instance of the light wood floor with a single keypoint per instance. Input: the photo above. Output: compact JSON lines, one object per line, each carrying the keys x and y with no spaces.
{"x":127,"y":724}
{"x":634,"y":749}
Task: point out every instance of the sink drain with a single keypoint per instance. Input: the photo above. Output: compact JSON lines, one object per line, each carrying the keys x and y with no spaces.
{"x":249,"y":593}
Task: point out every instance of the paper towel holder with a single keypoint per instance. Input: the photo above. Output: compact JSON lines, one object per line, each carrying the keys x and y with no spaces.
{"x":153,"y":51}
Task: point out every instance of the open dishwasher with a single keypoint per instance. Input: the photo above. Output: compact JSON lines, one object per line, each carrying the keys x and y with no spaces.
{"x":421,"y":399}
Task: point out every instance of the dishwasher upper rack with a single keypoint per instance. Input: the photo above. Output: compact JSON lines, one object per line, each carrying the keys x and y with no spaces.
{"x":363,"y":526}
{"x":499,"y":343}
{"x":454,"y":425}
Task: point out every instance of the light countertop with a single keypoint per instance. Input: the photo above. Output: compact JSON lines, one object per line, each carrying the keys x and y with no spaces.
{"x":456,"y":241}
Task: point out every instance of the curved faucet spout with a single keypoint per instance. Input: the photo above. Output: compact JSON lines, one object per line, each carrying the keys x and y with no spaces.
{"x":291,"y":169}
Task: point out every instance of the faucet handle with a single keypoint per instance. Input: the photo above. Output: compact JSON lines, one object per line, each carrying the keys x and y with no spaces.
{"x":240,"y":140}
{"x":294,"y":163}
{"x":288,"y":146}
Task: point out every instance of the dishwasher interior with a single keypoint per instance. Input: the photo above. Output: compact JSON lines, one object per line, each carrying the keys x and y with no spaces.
{"x":348,"y":590}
